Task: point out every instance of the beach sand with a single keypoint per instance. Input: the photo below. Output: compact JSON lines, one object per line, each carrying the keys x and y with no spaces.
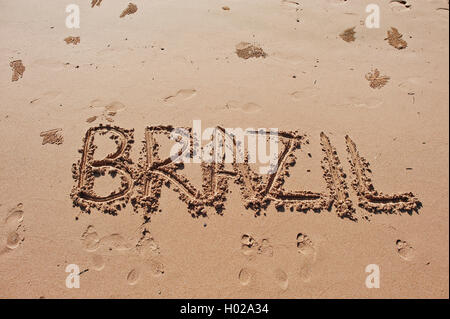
{"x":311,"y":69}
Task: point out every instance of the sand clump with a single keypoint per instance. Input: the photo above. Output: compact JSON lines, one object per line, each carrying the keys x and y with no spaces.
{"x":96,"y":3}
{"x":348,"y":35}
{"x":394,"y":38}
{"x":52,"y":137}
{"x":72,"y":40}
{"x":132,"y":8}
{"x":377,"y":81}
{"x":18,"y":69}
{"x":247,"y":50}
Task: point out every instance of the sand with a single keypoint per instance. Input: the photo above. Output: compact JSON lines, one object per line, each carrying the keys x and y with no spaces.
{"x":362,"y":172}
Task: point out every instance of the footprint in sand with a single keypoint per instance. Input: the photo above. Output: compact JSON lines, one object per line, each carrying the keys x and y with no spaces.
{"x":367,"y":102}
{"x":133,"y":277}
{"x":145,"y":247}
{"x":98,"y":263}
{"x":306,"y":272}
{"x":304,"y":94}
{"x":245,"y":276}
{"x":405,"y":250}
{"x":399,"y":5}
{"x":265,"y":248}
{"x":413,"y":85}
{"x":246,"y":108}
{"x":281,"y":278}
{"x":249,"y":246}
{"x":50,"y":63}
{"x":107,"y":110}
{"x":156,"y":268}
{"x":181,"y":95}
{"x":11,"y":231}
{"x":306,"y":247}
{"x":47,"y":98}
{"x":307,"y":250}
{"x":90,"y":239}
{"x":115,"y":242}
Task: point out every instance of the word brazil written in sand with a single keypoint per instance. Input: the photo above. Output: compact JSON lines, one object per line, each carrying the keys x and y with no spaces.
{"x":141,"y":181}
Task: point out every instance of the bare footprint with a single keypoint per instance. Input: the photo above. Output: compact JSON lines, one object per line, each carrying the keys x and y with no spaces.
{"x":305,"y":93}
{"x":305,"y":272}
{"x":246,"y":108}
{"x":249,"y":246}
{"x":98,"y":262}
{"x":405,"y":250}
{"x":90,"y":239}
{"x":15,"y":216}
{"x":250,"y":108}
{"x":147,"y":246}
{"x":307,"y":250}
{"x":156,"y":268}
{"x":281,"y":278}
{"x":48,"y":97}
{"x":181,"y":95}
{"x":367,"y":102}
{"x":306,"y":247}
{"x":265,"y":248}
{"x":12,"y":229}
{"x":412,"y":85}
{"x":245,"y":276}
{"x":13,"y":240}
{"x":107,"y":110}
{"x":133,"y":277}
{"x":115,"y":242}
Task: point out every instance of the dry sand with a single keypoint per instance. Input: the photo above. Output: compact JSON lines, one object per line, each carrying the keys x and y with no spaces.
{"x":344,"y":96}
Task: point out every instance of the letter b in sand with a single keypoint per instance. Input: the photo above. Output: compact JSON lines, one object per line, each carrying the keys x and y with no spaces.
{"x":373,"y":279}
{"x":73,"y":279}
{"x":73,"y":19}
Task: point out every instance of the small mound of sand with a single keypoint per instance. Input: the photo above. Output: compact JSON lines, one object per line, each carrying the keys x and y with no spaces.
{"x":348,"y":35}
{"x":132,"y":8}
{"x":72,"y":40}
{"x":52,"y":137}
{"x":96,"y":3}
{"x":376,"y":80}
{"x":18,"y":68}
{"x":395,"y":39}
{"x":246,"y":50}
